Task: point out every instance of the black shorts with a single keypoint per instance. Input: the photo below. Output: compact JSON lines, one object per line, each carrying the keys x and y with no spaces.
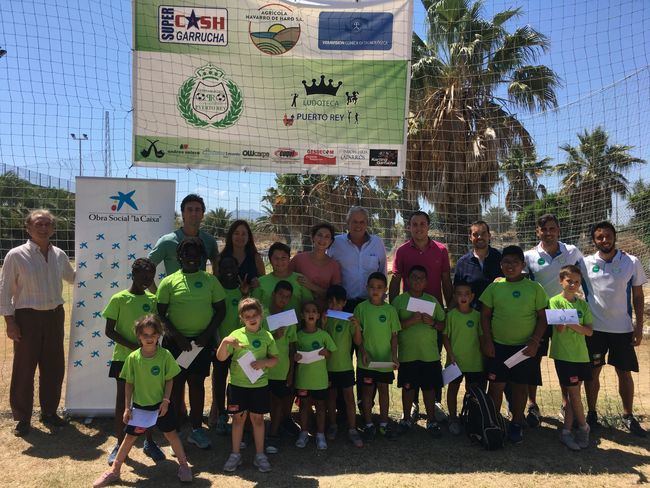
{"x":425,"y":375}
{"x":201,"y":364}
{"x":570,"y":374}
{"x":621,"y":351}
{"x":115,"y":369}
{"x":341,"y":379}
{"x":472,"y":378}
{"x":370,"y":377}
{"x":280,"y":389}
{"x":254,"y":400}
{"x":164,"y":424}
{"x":542,"y":350}
{"x":526,"y":372}
{"x":319,"y":395}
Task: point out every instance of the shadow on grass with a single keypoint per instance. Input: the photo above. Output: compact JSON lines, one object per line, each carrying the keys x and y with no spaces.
{"x":69,"y":441}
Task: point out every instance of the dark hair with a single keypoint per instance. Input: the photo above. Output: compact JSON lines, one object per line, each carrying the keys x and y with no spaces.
{"x":143,"y":264}
{"x":418,"y":267}
{"x":323,"y":225}
{"x":337,"y":292}
{"x":192,"y":197}
{"x":602,"y":225}
{"x":279,"y":246}
{"x":283,"y":285}
{"x":569,"y":269}
{"x":250,"y":245}
{"x":377,"y":275}
{"x":513,"y":251}
{"x":246,"y":304}
{"x":480,"y":222}
{"x":225,"y":259}
{"x":461,"y":283}
{"x":420,"y":213}
{"x":541,"y":222}
{"x":309,"y":302}
{"x":188,"y":243}
{"x":149,"y":320}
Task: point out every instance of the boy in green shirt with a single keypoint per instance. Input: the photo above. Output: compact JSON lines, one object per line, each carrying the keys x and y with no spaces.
{"x":419,"y":359}
{"x":512,"y":319}
{"x":379,"y":327}
{"x":569,"y":350}
{"x":461,"y":341}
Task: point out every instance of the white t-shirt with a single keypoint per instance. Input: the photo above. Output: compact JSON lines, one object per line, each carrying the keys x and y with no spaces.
{"x":608,"y":289}
{"x":545,"y":269}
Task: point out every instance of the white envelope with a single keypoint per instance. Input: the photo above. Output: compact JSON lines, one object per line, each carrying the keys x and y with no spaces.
{"x":516,"y":358}
{"x":419,"y":305}
{"x":308,"y":357}
{"x":282,"y":319}
{"x":143,"y":418}
{"x":245,"y":363}
{"x":186,"y":358}
{"x":562,"y":316}
{"x":450,"y":373}
{"x":381,"y":364}
{"x":339,"y":314}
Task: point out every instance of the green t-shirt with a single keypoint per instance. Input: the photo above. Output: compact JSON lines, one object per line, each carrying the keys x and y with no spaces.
{"x":341,"y":332}
{"x":281,"y":370}
{"x":569,"y":345}
{"x":149,"y":375}
{"x":514,"y":307}
{"x":231,"y":319}
{"x":125,"y":308}
{"x":267,"y":285}
{"x":261,"y":344}
{"x":165,"y":250}
{"x":378,"y":324}
{"x":313,"y":376}
{"x":420,"y":341}
{"x":190,"y":297}
{"x":463,"y":331}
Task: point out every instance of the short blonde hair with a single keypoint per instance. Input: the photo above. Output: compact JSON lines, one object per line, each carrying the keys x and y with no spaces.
{"x":247,"y":304}
{"x":39,"y":212}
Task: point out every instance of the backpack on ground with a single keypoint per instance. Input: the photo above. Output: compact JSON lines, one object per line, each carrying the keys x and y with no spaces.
{"x":482,"y":422}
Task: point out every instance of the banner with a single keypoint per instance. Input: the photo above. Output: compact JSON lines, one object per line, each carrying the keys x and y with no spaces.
{"x":261,"y":85}
{"x":117,"y":221}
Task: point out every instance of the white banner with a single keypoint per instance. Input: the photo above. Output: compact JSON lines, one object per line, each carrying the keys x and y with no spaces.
{"x":117,"y":221}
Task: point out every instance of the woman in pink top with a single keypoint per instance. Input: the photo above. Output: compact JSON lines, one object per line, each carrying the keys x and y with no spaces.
{"x":318,"y":270}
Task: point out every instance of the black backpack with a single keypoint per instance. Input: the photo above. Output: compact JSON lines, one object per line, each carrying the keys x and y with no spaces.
{"x":482,"y":422}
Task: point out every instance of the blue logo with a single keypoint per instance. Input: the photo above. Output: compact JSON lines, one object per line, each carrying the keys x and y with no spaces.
{"x":355,"y":31}
{"x":155,"y":370}
{"x":122,"y":199}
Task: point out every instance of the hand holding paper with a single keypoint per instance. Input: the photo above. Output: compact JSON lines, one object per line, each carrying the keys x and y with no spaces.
{"x":339,"y":314}
{"x":450,"y":373}
{"x":246,"y":362}
{"x":308,"y":357}
{"x":422,"y":306}
{"x":282,"y":319}
{"x":186,"y":358}
{"x":562,"y":316}
{"x":516,"y":358}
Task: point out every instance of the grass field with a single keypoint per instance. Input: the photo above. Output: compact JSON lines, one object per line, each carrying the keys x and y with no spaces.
{"x":75,"y":455}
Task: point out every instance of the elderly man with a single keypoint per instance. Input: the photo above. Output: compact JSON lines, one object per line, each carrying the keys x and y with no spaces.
{"x":32,"y":304}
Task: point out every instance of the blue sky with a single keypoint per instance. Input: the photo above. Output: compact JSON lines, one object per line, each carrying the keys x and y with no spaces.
{"x":69,"y":61}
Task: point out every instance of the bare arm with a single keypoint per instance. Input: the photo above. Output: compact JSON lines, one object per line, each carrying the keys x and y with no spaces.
{"x":393,"y":350}
{"x":584,"y":330}
{"x":180,"y":340}
{"x":487,"y":344}
{"x":13,"y":331}
{"x":112,"y":334}
{"x":447,"y":344}
{"x":128,"y":400}
{"x":538,"y":334}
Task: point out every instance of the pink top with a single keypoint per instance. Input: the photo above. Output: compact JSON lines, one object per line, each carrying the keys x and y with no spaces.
{"x":434,"y":258}
{"x":322,"y":275}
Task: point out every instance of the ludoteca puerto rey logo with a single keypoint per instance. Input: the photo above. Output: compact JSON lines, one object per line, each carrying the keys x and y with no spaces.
{"x":274,"y":28}
{"x":210,"y":99}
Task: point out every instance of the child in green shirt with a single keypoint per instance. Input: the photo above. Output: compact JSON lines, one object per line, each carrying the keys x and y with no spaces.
{"x":461,"y":341}
{"x":569,"y":350}
{"x":148,"y":373}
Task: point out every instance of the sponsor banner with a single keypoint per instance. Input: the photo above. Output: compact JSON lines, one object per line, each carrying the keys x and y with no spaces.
{"x":117,"y":221}
{"x":260,"y":84}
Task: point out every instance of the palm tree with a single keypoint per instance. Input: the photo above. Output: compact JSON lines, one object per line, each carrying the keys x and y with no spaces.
{"x":592,"y":173}
{"x":217,"y":221}
{"x":468,"y":77}
{"x":522,"y":170}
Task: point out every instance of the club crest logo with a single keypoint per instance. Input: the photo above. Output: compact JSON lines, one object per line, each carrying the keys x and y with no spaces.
{"x":146,"y":307}
{"x":155,"y":370}
{"x":541,"y":261}
{"x":470,"y":323}
{"x":382,"y":318}
{"x":198,"y":284}
{"x":209,"y":99}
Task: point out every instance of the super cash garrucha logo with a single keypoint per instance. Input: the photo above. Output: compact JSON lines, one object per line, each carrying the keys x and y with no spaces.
{"x":209,"y":99}
{"x":274,"y":28}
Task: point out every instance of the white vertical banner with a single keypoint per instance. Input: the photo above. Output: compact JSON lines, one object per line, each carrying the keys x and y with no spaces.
{"x":117,"y":221}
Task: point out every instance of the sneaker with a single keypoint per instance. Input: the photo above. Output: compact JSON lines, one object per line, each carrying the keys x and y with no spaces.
{"x":370,"y":432}
{"x":113,"y":455}
{"x":332,"y":430}
{"x":22,"y":428}
{"x":199,"y":438}
{"x":261,"y":462}
{"x":567,"y":439}
{"x":184,"y":473}
{"x":533,"y":416}
{"x":222,"y":427}
{"x":321,"y":442}
{"x":232,"y":463}
{"x":303,"y":439}
{"x":415,"y":411}
{"x":405,"y":425}
{"x":152,"y":450}
{"x":455,"y":428}
{"x":388,"y":432}
{"x":434,"y":429}
{"x":106,"y":479}
{"x":582,"y":437}
{"x":592,"y":419}
{"x":53,"y":420}
{"x":632,"y":424}
{"x":272,"y":444}
{"x":355,"y":438}
{"x":515,"y":433}
{"x":439,"y":413}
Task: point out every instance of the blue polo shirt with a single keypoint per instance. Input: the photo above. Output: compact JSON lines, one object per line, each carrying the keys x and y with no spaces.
{"x":469,"y":270}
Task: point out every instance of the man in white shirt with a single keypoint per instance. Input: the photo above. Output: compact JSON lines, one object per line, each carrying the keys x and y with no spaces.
{"x":613,"y":285}
{"x":31,"y":301}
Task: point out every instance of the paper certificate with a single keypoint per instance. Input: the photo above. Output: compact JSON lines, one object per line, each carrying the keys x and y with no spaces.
{"x":450,"y":373}
{"x":339,"y":314}
{"x":245,"y":363}
{"x":185,"y":358}
{"x":562,"y":316}
{"x":308,"y":357}
{"x":381,"y":364}
{"x":419,"y":305}
{"x":282,"y":319}
{"x":143,"y":418}
{"x":516,"y":358}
